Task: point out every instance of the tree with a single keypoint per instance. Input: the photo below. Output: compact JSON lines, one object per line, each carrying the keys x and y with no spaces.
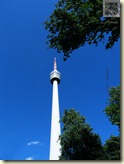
{"x":113,"y":109}
{"x":76,"y":22}
{"x":112,"y":148}
{"x":78,"y":142}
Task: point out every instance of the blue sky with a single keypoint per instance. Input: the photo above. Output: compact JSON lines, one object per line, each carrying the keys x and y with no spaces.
{"x":25,"y":89}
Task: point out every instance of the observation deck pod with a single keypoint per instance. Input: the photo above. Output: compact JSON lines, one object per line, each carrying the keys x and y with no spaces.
{"x":55,"y":75}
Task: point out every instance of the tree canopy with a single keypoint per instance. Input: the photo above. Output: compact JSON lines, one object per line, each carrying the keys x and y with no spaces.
{"x":112,"y":148}
{"x":113,"y":108}
{"x":78,"y":141}
{"x":75,"y":23}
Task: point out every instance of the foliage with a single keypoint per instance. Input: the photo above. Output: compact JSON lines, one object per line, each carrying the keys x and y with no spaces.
{"x":112,"y":148}
{"x":113,"y":109}
{"x":76,"y":22}
{"x":78,"y":142}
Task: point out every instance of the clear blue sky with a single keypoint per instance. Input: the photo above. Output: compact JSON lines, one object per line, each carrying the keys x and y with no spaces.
{"x":25,"y":89}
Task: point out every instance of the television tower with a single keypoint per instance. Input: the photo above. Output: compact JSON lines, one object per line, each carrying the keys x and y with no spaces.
{"x":55,"y":120}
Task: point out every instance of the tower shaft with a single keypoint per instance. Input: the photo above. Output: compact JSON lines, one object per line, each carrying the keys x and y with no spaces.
{"x":55,"y":125}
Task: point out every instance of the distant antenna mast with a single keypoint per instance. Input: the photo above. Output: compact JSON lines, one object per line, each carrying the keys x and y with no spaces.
{"x":107,"y":79}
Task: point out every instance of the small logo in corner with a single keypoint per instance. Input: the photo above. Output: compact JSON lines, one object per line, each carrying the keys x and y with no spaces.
{"x":111,"y":8}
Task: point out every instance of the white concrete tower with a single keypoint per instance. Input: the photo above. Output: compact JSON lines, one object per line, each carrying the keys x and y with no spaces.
{"x":55,"y":124}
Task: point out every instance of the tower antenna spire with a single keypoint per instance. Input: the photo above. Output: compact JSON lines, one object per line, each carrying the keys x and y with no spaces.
{"x":55,"y":65}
